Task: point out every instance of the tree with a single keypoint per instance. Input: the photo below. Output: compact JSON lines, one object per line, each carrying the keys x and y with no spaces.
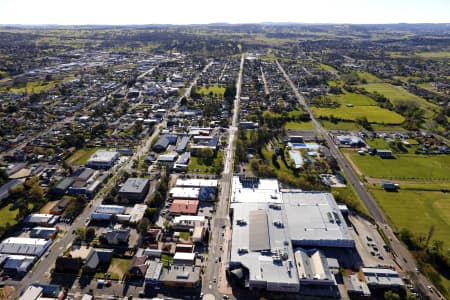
{"x":429,"y":235}
{"x":390,"y":295}
{"x":81,"y":232}
{"x":143,"y":225}
{"x":90,"y":233}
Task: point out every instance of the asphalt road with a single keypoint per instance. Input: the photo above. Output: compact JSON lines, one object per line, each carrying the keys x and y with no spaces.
{"x":220,"y":221}
{"x":404,"y":258}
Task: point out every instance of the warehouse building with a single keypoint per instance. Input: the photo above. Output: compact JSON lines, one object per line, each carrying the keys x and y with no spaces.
{"x":102,"y":159}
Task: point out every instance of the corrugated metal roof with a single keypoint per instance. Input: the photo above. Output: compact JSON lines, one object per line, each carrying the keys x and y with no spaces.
{"x":259,"y":231}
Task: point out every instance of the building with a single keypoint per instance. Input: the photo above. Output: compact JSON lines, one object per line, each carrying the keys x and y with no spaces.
{"x":197,"y":183}
{"x":184,"y":207}
{"x":134,"y":189}
{"x":161,"y":144}
{"x":41,"y":219}
{"x":25,"y":246}
{"x":59,"y":207}
{"x":97,"y":260}
{"x":184,"y":258}
{"x":69,"y":265}
{"x":184,"y":193}
{"x":379,"y":277}
{"x":199,"y":234}
{"x":248,"y":125}
{"x":116,"y":236}
{"x":316,"y":278}
{"x":38,"y":291}
{"x":154,"y":270}
{"x":183,"y":161}
{"x":62,"y":186}
{"x":167,"y":160}
{"x":188,"y":222}
{"x":356,"y":287}
{"x":110,"y":209}
{"x":182,"y":145}
{"x":137,"y":213}
{"x":42,"y":232}
{"x":6,"y":188}
{"x":181,"y":276}
{"x":268,"y":224}
{"x":138,"y":268}
{"x":102,"y":159}
{"x":16,"y":264}
{"x":385,"y":153}
{"x":349,"y":141}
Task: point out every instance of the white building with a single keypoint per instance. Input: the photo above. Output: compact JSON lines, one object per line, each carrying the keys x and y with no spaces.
{"x":102,"y":159}
{"x":24,"y":246}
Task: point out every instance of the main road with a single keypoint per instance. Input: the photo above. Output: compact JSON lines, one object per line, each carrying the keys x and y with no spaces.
{"x":220,"y":229}
{"x":41,"y":271}
{"x":403,"y":257}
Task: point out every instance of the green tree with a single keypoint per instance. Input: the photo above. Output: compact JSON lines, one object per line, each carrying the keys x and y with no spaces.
{"x":143,"y":225}
{"x":390,"y":295}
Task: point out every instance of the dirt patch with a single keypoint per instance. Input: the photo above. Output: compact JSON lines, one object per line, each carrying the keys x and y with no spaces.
{"x":47,"y":207}
{"x":6,"y":292}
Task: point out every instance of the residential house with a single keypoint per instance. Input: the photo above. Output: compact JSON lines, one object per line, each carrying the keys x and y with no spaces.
{"x":137,"y":268}
{"x":97,"y":260}
{"x":69,"y":265}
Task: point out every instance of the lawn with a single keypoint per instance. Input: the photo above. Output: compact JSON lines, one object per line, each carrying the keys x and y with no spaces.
{"x":216,"y":90}
{"x":8,"y":216}
{"x":384,"y":127}
{"x":398,"y":94}
{"x":81,"y":156}
{"x":429,"y":207}
{"x":349,"y":197}
{"x":340,"y":125}
{"x":378,"y":143}
{"x":352,"y":98}
{"x":186,"y":236}
{"x":404,"y":166}
{"x":34,"y":87}
{"x":167,"y":260}
{"x":299,"y":126}
{"x":195,"y":165}
{"x":328,"y":68}
{"x":374,"y":114}
{"x":118,"y":267}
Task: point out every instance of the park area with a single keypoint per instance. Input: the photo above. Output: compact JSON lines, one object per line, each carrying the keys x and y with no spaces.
{"x":352,"y":98}
{"x":216,"y":90}
{"x":403,"y":166}
{"x":374,"y":114}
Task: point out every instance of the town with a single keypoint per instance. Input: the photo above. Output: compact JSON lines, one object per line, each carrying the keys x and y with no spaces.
{"x":193,"y":163}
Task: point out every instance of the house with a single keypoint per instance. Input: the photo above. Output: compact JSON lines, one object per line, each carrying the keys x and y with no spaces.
{"x":385,"y":153}
{"x":248,"y":125}
{"x":116,"y":236}
{"x":199,"y":234}
{"x":137,"y":268}
{"x":97,"y":259}
{"x":188,"y":222}
{"x":102,"y":159}
{"x":134,"y":189}
{"x":69,"y":265}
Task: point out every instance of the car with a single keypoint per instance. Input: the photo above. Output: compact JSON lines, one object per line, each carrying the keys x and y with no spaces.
{"x":215,"y":280}
{"x":225,"y":297}
{"x":141,"y":294}
{"x":369,"y":238}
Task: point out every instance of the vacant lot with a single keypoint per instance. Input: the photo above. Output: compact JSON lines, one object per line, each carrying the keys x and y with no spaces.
{"x":430,"y":208}
{"x":397,"y":94}
{"x":299,"y":125}
{"x":352,"y":98}
{"x":118,"y":267}
{"x":404,"y":166}
{"x":81,"y":156}
{"x":374,"y":114}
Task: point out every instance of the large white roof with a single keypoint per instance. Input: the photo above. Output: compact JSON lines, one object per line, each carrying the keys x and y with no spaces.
{"x":263,"y":190}
{"x":24,"y":246}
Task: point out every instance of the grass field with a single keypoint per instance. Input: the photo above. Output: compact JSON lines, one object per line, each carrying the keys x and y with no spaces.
{"x":340,"y":125}
{"x":8,"y":216}
{"x":195,"y":166}
{"x":384,"y":127}
{"x":370,"y":78}
{"x":352,"y":98}
{"x":429,"y":207}
{"x":299,"y":126}
{"x":436,"y":54}
{"x":216,"y":90}
{"x":378,"y":143}
{"x":81,"y":156}
{"x":34,"y":87}
{"x":404,"y":166}
{"x":374,"y":114}
{"x":328,"y":68}
{"x":397,"y":94}
{"x":118,"y":267}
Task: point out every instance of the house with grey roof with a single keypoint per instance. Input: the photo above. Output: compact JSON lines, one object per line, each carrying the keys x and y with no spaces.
{"x":134,"y":189}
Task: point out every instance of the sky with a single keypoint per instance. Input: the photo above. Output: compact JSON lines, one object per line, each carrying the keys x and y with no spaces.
{"x":121,"y":12}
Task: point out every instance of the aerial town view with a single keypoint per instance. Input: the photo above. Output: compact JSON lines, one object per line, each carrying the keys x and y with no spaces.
{"x":150,"y":156}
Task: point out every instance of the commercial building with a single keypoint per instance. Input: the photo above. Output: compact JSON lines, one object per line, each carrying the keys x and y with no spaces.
{"x":379,"y":277}
{"x":181,"y":276}
{"x":349,"y":141}
{"x":153,"y":273}
{"x":188,"y":222}
{"x":385,"y":153}
{"x":41,"y":219}
{"x":184,"y":207}
{"x":102,"y":159}
{"x":42,"y":232}
{"x":24,"y":246}
{"x":198,"y":183}
{"x":184,"y":258}
{"x":134,"y":189}
{"x":268,"y":224}
{"x":184,"y":193}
